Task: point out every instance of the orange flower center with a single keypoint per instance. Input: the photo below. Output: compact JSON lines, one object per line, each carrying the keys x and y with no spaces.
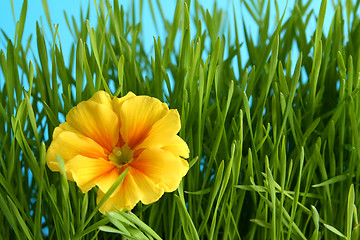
{"x":121,"y":156}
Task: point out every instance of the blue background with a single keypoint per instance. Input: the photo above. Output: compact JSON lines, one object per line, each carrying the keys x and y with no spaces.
{"x":36,"y":12}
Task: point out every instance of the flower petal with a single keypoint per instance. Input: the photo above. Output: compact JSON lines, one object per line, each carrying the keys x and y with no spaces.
{"x":126,"y":196}
{"x":138,"y":115}
{"x":134,"y":188}
{"x":106,"y":181}
{"x":177,"y":146}
{"x":68,"y":144}
{"x":117,"y":102}
{"x":88,"y":172}
{"x":102,"y":97}
{"x":150,"y":192}
{"x":165,"y":169}
{"x":96,"y":119}
{"x":163,"y":130}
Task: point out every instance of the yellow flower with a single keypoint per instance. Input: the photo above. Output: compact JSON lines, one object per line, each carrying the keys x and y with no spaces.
{"x":102,"y":137}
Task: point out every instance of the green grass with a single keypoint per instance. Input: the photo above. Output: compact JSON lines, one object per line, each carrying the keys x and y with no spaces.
{"x":284,"y":165}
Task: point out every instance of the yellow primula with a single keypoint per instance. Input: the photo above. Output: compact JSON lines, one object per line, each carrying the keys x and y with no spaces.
{"x":102,"y":137}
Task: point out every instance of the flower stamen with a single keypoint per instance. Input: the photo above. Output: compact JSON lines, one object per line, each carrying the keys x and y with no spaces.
{"x":121,"y":156}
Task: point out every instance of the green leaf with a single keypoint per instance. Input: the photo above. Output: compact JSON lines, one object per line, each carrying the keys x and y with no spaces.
{"x":350,"y":211}
{"x":107,"y":195}
{"x":200,"y":192}
{"x":333,"y":180}
{"x":187,"y":224}
{"x":53,"y":119}
{"x":79,"y":70}
{"x":47,"y":14}
{"x":315,"y":216}
{"x":21,"y":221}
{"x":20,"y":30}
{"x":134,"y":219}
{"x":335,"y":231}
{"x":121,"y":228}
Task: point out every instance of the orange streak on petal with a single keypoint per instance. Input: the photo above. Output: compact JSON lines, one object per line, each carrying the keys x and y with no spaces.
{"x":117,"y":103}
{"x":138,"y":115}
{"x":134,"y":188}
{"x":106,"y":180}
{"x":162,"y":167}
{"x":88,"y":172}
{"x":69,"y":144}
{"x":96,"y":121}
{"x":162,"y":131}
{"x":126,"y":196}
{"x":150,"y":192}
